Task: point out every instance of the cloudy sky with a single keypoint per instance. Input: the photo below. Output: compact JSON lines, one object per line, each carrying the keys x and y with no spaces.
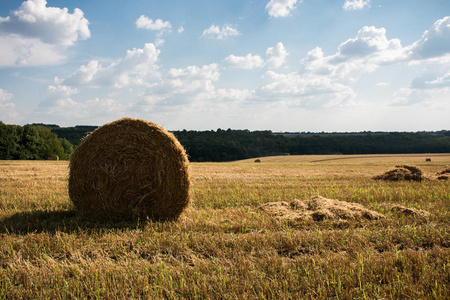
{"x":281,"y":65}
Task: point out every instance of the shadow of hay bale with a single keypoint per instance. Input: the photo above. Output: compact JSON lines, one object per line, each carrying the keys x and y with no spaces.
{"x":402,"y":172}
{"x":319,"y":208}
{"x":67,"y":221}
{"x":130,"y":169}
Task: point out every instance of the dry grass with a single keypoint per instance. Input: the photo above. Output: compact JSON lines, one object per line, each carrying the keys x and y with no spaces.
{"x":223,"y":246}
{"x":129,"y":169}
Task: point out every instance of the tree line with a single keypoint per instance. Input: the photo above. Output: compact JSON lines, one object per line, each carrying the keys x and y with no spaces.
{"x":31,"y":142}
{"x":38,"y":141}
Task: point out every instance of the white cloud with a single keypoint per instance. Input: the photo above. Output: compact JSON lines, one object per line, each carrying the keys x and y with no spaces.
{"x":356,"y":4}
{"x":306,"y":90}
{"x":17,"y":51}
{"x":215,"y":32}
{"x":409,"y":96}
{"x":137,"y":66}
{"x":180,"y":29}
{"x":440,"y":82}
{"x":158,"y":24}
{"x":36,"y":34}
{"x":280,"y":8}
{"x":59,"y":106}
{"x":244,"y":62}
{"x":277,"y":55}
{"x":434,"y":42}
{"x":235,"y":94}
{"x":190,"y":81}
{"x":95,"y":110}
{"x":8,"y":110}
{"x":369,"y":50}
{"x":51,"y":25}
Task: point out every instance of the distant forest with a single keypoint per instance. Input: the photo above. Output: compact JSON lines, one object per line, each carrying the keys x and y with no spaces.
{"x":228,"y":145}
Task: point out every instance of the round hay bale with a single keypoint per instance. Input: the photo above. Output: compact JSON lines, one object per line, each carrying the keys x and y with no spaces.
{"x":257,"y":160}
{"x":129,"y":169}
{"x":53,"y":157}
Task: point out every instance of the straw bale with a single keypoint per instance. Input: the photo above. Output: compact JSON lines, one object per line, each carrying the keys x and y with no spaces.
{"x":128,"y":169}
{"x":257,"y":160}
{"x":53,"y":157}
{"x":319,"y":208}
{"x":402,"y":172}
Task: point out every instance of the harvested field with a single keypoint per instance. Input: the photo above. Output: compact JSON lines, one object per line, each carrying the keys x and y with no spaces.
{"x":223,"y":246}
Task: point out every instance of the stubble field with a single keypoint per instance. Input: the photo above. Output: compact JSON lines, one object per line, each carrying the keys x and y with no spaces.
{"x":224,"y":246}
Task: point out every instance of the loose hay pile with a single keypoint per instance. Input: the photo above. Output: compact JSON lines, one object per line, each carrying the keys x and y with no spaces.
{"x":319,"y":208}
{"x":444,"y":174}
{"x":402,"y":172}
{"x":129,"y":169}
{"x":409,"y":211}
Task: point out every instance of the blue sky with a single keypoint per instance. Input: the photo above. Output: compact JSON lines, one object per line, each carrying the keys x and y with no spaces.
{"x":280,"y":65}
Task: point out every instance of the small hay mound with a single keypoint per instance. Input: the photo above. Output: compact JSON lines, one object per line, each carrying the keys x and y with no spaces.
{"x":402,"y":172}
{"x":319,"y":208}
{"x":409,"y":211}
{"x":129,"y":169}
{"x":257,"y":160}
{"x":444,"y":174}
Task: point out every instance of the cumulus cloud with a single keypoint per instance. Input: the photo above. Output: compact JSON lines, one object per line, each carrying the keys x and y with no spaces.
{"x":134,"y":68}
{"x":366,"y":52}
{"x":51,"y":25}
{"x":7,"y":107}
{"x":35,"y":34}
{"x":434,"y":42}
{"x":17,"y":51}
{"x":215,"y":32}
{"x":308,"y":90}
{"x":158,"y":24}
{"x":249,"y":61}
{"x":280,"y":8}
{"x":356,"y":4}
{"x":277,"y":55}
{"x":189,"y":81}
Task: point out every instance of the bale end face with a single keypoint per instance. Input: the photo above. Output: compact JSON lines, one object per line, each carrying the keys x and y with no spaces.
{"x":129,"y":169}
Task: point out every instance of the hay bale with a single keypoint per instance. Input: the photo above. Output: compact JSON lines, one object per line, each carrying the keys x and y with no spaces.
{"x":129,"y":169}
{"x":319,"y":208}
{"x":427,"y":159}
{"x":53,"y":157}
{"x":257,"y":160}
{"x":402,"y":172}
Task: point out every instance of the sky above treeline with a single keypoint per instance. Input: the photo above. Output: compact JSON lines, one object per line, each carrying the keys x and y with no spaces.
{"x":280,"y":65}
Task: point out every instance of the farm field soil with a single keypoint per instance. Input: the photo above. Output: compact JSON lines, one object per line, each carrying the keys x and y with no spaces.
{"x":224,"y":246}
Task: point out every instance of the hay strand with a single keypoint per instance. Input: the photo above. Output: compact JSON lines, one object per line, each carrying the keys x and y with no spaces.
{"x":129,"y":169}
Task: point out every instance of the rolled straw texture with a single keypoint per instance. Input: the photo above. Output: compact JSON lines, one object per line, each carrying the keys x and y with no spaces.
{"x":129,"y":169}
